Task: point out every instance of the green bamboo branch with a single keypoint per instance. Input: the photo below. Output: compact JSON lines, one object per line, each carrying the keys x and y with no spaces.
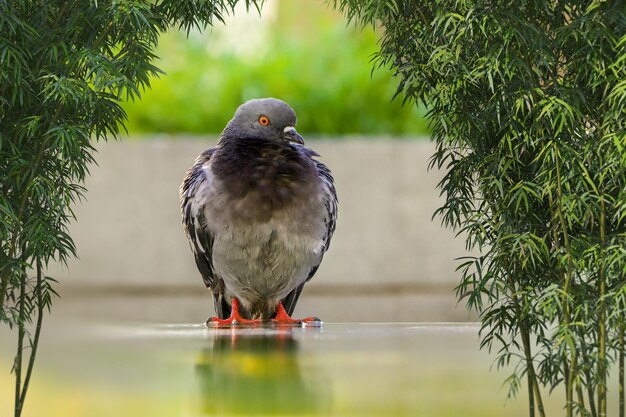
{"x":6,"y":276}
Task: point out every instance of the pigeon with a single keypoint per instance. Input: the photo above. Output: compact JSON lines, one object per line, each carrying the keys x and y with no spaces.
{"x":259,"y":211}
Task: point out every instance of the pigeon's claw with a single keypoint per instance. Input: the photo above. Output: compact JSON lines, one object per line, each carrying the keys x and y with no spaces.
{"x":282,"y":318}
{"x":235,"y":318}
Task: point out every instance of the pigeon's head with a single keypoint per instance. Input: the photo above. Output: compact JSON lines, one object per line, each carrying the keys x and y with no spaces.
{"x":264,"y":118}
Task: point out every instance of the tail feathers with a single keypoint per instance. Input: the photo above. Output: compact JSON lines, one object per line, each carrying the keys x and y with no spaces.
{"x":222,"y":308}
{"x":291,"y":300}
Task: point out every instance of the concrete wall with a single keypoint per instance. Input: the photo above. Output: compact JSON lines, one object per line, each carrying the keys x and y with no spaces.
{"x":388,"y":260}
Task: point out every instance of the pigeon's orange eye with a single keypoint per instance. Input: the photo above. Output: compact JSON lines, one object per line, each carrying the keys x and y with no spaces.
{"x":264,"y":121}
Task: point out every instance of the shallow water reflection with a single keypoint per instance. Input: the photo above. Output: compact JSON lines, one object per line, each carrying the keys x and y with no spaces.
{"x":258,"y":374}
{"x":340,"y":370}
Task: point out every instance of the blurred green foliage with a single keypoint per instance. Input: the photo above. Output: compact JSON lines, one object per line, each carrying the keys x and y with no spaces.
{"x":309,"y":57}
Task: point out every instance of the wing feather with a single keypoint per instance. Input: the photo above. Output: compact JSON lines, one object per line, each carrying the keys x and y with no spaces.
{"x":201,"y":239}
{"x":329,"y":195}
{"x":193,"y":214}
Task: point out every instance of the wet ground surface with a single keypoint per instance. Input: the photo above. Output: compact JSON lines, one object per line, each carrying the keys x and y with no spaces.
{"x":405,"y":369}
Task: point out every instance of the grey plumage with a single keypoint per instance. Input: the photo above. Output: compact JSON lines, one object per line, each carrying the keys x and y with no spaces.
{"x":259,"y":210}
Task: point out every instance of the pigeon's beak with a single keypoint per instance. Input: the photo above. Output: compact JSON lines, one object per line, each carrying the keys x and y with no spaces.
{"x":291,"y":135}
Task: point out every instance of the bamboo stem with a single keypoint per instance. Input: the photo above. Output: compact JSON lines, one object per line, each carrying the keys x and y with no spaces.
{"x":565,"y":302}
{"x":621,"y":371}
{"x":534,"y":394}
{"x":601,"y":361}
{"x":590,"y":396}
{"x":531,"y":395}
{"x":581,"y":396}
{"x":530,"y":377}
{"x":589,"y":382}
{"x":35,"y":341}
{"x":542,"y":412}
{"x":571,"y":381}
{"x":20,"y":349}
{"x":602,"y":336}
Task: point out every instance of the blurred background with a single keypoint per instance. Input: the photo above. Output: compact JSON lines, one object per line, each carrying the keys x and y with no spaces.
{"x":389,"y":259}
{"x":300,"y":51}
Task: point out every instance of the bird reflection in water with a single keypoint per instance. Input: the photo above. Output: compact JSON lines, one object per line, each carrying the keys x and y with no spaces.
{"x":258,"y":373}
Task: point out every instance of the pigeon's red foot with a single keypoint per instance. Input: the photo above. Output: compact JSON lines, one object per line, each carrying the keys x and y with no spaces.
{"x":235,"y":318}
{"x":282,"y":318}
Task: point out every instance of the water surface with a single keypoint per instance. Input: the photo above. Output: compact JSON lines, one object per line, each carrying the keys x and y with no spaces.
{"x":337,"y":370}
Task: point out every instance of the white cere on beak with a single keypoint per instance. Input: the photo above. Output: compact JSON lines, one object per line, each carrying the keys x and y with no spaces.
{"x":292,"y":135}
